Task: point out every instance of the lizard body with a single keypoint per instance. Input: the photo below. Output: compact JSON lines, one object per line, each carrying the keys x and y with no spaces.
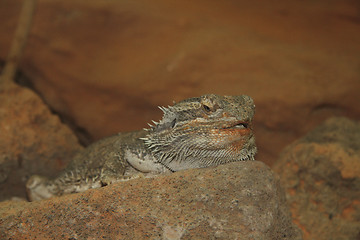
{"x":194,"y":133}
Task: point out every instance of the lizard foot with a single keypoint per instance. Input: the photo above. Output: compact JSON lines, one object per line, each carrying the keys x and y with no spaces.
{"x":37,"y":188}
{"x":110,"y":179}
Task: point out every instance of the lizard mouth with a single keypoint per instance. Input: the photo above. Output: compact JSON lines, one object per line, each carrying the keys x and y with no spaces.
{"x":238,"y":125}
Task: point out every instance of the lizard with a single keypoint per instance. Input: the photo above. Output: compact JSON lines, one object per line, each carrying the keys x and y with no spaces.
{"x":194,"y":133}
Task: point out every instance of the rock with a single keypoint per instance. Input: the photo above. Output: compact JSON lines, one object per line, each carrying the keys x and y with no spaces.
{"x":32,"y":140}
{"x":321,"y":175}
{"x":106,"y":65}
{"x":241,"y":200}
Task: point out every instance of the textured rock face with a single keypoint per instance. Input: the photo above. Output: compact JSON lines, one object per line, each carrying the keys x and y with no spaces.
{"x":321,"y":175}
{"x":240,"y":200}
{"x":106,"y":65}
{"x":32,"y":140}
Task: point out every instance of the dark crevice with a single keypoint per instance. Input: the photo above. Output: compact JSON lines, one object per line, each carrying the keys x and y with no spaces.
{"x":81,"y":133}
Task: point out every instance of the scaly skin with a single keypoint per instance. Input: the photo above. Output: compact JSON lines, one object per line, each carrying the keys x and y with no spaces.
{"x":194,"y":133}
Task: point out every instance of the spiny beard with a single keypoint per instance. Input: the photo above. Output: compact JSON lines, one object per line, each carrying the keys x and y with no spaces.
{"x":187,"y":148}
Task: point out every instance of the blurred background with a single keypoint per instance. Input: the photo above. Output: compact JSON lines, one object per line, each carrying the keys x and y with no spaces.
{"x":104,"y":66}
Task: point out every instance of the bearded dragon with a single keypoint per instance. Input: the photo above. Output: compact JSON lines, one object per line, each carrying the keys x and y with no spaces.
{"x":195,"y":133}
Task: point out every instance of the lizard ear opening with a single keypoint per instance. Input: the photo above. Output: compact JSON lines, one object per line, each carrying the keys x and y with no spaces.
{"x":165,"y":125}
{"x":173,"y":123}
{"x":168,"y":121}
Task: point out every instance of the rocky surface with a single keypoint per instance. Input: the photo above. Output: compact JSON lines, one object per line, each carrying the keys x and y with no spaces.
{"x":106,"y":65}
{"x":32,"y":140}
{"x":240,"y":200}
{"x":321,"y":175}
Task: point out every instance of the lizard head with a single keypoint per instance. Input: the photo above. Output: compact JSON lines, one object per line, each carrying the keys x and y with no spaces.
{"x":204,"y":131}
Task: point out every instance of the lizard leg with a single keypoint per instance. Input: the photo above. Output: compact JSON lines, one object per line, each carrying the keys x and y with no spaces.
{"x":39,"y":187}
{"x":114,"y":170}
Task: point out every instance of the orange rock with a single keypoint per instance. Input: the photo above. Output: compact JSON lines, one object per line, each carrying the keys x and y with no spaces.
{"x":324,"y":192}
{"x":241,"y":200}
{"x":32,"y":140}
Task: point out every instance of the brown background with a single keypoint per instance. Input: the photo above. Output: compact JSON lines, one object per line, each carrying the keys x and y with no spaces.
{"x":104,"y":66}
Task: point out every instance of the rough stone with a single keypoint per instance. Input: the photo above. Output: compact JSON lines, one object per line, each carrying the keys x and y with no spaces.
{"x":32,"y":140}
{"x":321,"y":176}
{"x":241,"y":200}
{"x":106,"y":65}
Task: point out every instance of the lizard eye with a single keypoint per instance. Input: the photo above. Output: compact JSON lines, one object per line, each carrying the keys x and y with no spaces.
{"x":206,"y":108}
